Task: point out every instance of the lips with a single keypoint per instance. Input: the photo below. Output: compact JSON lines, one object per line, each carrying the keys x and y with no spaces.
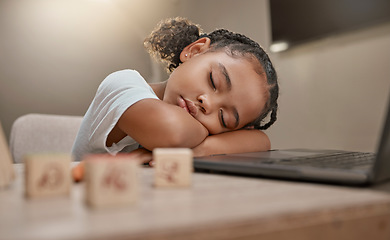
{"x":187,"y":105}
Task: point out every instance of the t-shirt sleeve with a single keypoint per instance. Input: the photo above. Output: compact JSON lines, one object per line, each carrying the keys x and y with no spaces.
{"x":115,"y":95}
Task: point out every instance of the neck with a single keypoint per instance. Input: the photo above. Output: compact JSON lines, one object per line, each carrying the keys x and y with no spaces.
{"x":159,"y":89}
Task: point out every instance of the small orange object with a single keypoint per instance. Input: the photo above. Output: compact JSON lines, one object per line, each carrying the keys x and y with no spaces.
{"x":78,"y":172}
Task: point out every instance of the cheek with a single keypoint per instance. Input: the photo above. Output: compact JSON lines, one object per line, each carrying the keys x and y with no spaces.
{"x":170,"y":93}
{"x":211,"y":123}
{"x":251,"y":107}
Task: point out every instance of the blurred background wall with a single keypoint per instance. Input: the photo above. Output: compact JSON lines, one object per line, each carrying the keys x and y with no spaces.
{"x":55,"y":53}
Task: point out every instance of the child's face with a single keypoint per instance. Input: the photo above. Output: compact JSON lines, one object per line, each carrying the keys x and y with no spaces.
{"x":223,"y":93}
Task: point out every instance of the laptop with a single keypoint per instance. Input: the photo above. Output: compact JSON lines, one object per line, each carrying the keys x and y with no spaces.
{"x":7,"y":173}
{"x":326,"y":166}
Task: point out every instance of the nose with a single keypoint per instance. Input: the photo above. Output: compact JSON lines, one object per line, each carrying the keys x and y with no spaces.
{"x":207,"y":104}
{"x":203,"y":103}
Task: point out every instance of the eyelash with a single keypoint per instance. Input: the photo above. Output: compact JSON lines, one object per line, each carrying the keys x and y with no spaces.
{"x":212,"y":81}
{"x":220,"y":111}
{"x":222,"y":119}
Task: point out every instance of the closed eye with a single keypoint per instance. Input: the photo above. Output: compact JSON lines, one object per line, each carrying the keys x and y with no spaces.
{"x":212,"y":81}
{"x":222,"y":118}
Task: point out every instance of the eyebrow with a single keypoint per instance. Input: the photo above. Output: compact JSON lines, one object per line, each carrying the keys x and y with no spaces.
{"x":225,"y":73}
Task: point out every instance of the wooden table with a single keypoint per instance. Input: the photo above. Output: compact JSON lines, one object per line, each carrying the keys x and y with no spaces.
{"x":215,"y":207}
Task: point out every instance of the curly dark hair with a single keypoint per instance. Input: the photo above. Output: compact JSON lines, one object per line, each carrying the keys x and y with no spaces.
{"x":171,"y":36}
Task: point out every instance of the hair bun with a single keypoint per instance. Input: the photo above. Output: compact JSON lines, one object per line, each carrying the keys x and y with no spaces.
{"x":168,"y":40}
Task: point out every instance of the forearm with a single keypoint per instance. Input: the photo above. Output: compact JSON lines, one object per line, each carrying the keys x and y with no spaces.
{"x":233,"y":142}
{"x":153,"y":123}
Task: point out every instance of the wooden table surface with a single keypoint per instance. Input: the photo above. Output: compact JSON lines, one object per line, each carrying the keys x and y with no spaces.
{"x":214,"y":207}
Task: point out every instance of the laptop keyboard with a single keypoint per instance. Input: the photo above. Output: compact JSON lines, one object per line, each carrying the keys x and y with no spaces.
{"x":337,"y":160}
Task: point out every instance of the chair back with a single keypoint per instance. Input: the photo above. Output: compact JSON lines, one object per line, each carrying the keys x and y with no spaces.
{"x":43,"y":133}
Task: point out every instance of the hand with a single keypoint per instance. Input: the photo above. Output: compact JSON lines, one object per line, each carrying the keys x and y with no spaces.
{"x":140,"y":154}
{"x":144,"y":155}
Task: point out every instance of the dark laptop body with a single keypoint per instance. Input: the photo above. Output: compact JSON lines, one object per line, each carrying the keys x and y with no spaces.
{"x":308,"y":165}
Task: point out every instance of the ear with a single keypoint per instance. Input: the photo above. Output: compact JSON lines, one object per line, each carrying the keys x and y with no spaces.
{"x":198,"y":47}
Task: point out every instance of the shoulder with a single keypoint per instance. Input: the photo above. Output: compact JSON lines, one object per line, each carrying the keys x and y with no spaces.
{"x":123,"y":78}
{"x":124,"y":74}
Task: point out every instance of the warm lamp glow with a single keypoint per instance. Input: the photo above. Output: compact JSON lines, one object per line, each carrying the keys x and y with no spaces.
{"x":279,"y":47}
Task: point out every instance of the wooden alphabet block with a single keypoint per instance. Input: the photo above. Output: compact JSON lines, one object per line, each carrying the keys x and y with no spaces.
{"x":47,"y":175}
{"x":173,"y":167}
{"x":111,"y":180}
{"x":7,"y":173}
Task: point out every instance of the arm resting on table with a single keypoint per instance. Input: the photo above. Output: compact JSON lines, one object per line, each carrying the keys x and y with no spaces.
{"x":154,"y":123}
{"x":238,"y":141}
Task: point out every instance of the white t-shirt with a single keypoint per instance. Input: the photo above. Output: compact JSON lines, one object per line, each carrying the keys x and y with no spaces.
{"x":115,"y":95}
